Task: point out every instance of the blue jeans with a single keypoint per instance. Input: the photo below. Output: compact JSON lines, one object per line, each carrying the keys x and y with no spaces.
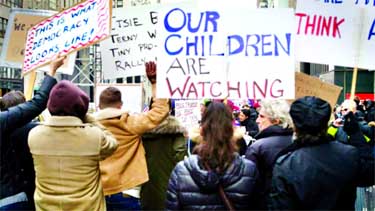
{"x":23,"y":205}
{"x":118,"y":201}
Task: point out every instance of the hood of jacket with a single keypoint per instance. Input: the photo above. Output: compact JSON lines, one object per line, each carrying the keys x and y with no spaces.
{"x":209,"y":180}
{"x":170,"y":125}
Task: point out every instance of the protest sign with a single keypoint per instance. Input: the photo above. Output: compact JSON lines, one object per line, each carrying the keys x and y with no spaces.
{"x":70,"y":30}
{"x":205,"y":53}
{"x":20,"y":20}
{"x":131,"y":96}
{"x":131,"y":44}
{"x":312,"y":86}
{"x":336,"y":32}
{"x":188,"y":112}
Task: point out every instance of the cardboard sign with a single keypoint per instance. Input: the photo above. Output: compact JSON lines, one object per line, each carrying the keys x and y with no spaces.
{"x":132,"y":42}
{"x":206,"y":53}
{"x":336,"y":32}
{"x":68,"y":31}
{"x":188,"y":112}
{"x":20,"y":20}
{"x":131,"y":95}
{"x":312,"y":86}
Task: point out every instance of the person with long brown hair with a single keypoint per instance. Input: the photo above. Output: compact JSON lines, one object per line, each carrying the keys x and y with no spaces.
{"x":195,"y":182}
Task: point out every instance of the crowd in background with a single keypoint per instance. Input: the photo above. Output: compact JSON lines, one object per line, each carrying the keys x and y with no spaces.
{"x":265,"y":155}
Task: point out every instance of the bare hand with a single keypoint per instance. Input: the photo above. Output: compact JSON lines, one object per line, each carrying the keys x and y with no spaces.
{"x":151,"y":71}
{"x":55,"y":64}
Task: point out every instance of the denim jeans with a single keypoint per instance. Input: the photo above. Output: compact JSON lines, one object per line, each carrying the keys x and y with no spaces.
{"x":23,"y":205}
{"x":118,"y":201}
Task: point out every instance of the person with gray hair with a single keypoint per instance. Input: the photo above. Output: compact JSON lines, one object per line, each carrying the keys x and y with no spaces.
{"x":275,"y":126}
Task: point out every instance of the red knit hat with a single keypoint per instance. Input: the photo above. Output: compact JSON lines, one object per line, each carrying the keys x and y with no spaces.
{"x":66,"y":99}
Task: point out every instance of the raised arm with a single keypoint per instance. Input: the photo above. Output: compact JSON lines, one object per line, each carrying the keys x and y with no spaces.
{"x":19,"y":115}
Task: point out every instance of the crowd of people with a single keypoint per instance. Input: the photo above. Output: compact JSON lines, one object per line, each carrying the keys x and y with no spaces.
{"x":276,"y":155}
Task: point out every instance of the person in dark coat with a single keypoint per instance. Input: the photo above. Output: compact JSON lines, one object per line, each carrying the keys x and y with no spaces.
{"x":16,"y":171}
{"x":165,"y":146}
{"x":316,"y":172}
{"x":275,"y":135}
{"x":194,"y":182}
{"x":22,"y":171}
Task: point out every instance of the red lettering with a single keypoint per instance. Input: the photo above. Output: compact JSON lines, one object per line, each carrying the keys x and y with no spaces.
{"x":193,"y":90}
{"x":280,"y":91}
{"x":177,"y":89}
{"x":336,"y":26}
{"x":300,"y":15}
{"x":211,"y":89}
{"x":262,"y":91}
{"x":319,"y":25}
{"x":229,"y":87}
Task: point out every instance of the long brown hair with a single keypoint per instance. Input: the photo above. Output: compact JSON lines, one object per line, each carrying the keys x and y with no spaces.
{"x":217,"y":149}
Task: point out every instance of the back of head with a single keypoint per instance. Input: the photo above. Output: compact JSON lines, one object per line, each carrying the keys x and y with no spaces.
{"x":110,"y":97}
{"x":310,"y":115}
{"x":11,"y":99}
{"x":216,"y":128}
{"x":277,"y":111}
{"x":66,"y":99}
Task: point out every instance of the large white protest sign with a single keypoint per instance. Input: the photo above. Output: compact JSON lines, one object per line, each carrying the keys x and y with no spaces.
{"x":225,"y":52}
{"x":132,"y":96}
{"x":132,"y":42}
{"x":188,"y":112}
{"x":67,"y":31}
{"x":336,"y":32}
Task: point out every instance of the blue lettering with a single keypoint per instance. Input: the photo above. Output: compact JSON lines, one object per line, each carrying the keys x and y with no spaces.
{"x":169,"y":27}
{"x":334,"y":1}
{"x":210,"y":37}
{"x":277,"y":41}
{"x":190,"y":28}
{"x":167,"y":49}
{"x":240,"y":44}
{"x":372,"y":30}
{"x":211,"y":16}
{"x":269,"y":53}
{"x":192,"y":44}
{"x":254,"y":45}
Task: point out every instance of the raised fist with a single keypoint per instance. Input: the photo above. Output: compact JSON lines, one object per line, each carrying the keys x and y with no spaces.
{"x":151,"y":71}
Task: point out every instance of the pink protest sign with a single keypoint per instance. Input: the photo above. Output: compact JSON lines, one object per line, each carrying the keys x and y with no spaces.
{"x":70,"y":30}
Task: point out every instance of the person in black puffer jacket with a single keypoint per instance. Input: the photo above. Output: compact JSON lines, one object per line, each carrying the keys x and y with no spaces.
{"x":193,"y":187}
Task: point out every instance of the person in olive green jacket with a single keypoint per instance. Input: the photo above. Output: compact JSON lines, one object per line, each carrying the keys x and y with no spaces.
{"x":165,"y":146}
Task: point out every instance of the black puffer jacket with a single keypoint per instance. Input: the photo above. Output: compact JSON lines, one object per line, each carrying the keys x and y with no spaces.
{"x":11,"y":119}
{"x":191,"y":187}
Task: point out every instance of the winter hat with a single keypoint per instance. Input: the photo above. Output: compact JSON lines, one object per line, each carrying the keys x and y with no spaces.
{"x":310,"y":114}
{"x":66,"y":99}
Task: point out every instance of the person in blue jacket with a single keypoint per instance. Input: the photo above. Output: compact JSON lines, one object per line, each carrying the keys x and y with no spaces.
{"x":16,"y":176}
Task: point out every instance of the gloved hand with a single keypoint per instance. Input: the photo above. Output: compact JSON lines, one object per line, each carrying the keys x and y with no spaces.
{"x":351,"y":125}
{"x":151,"y":71}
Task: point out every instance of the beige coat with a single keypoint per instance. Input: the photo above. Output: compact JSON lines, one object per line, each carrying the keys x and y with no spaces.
{"x":66,"y":155}
{"x":127,"y":168}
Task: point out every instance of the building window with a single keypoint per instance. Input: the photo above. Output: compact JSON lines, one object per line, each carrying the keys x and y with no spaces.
{"x":3,"y":26}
